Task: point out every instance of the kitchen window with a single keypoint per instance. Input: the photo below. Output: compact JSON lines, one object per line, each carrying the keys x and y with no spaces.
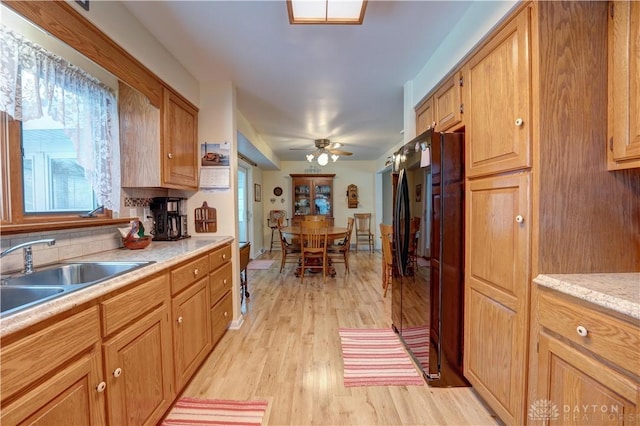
{"x":63,"y":123}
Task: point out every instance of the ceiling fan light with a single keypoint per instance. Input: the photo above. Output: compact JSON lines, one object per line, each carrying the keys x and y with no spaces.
{"x":323,"y":159}
{"x":334,"y":157}
{"x":309,"y":157}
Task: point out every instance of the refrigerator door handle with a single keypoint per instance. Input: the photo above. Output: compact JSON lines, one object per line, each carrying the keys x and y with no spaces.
{"x":401,"y":224}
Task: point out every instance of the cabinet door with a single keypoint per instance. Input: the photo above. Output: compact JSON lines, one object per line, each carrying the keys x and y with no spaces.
{"x":323,"y":197}
{"x":425,"y":116}
{"x":70,"y":397}
{"x":139,"y":371}
{"x":581,"y":390}
{"x":447,"y":103}
{"x":191,"y":330}
{"x":624,"y":85}
{"x":179,"y":143}
{"x":497,"y":276}
{"x":497,"y":90}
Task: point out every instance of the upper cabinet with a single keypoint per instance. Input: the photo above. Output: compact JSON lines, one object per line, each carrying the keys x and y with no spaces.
{"x":448,"y":103}
{"x":179,"y":140}
{"x":158,"y":145}
{"x":425,"y":116}
{"x":623,"y":145}
{"x":497,"y":92}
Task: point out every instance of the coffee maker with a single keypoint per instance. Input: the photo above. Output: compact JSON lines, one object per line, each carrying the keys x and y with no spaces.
{"x":170,"y":218}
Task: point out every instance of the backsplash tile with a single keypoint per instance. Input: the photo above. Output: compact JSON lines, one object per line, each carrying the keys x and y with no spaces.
{"x":69,"y":244}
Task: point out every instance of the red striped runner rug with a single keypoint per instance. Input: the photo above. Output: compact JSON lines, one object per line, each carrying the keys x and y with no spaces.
{"x":193,"y":411}
{"x":376,"y":357}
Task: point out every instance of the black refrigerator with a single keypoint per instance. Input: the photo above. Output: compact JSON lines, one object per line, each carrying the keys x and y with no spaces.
{"x":428,"y":287}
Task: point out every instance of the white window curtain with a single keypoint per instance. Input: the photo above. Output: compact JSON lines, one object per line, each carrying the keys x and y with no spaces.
{"x":33,"y":79}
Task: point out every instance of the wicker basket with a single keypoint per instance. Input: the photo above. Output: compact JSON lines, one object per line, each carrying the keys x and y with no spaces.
{"x":137,"y":243}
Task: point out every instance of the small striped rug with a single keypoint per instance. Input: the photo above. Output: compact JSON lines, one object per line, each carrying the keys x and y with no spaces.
{"x":193,"y":411}
{"x":376,"y":357}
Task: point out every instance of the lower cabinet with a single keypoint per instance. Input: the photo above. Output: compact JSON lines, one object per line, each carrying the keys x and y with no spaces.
{"x":138,"y":370}
{"x":588,"y":364}
{"x":191,"y":330}
{"x":54,"y":375}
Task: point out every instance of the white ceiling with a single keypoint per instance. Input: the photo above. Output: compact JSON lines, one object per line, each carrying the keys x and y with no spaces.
{"x":297,"y":83}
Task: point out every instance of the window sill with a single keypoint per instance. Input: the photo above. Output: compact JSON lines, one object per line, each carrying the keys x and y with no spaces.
{"x":24,"y":228}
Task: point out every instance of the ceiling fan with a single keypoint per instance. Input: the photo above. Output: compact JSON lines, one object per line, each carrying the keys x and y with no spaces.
{"x":324,"y":149}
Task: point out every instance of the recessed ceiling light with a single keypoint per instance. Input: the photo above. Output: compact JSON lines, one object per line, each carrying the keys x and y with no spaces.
{"x":326,"y":11}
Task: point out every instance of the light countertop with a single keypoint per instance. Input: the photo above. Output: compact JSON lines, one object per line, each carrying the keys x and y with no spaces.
{"x":164,"y":253}
{"x":619,"y":292}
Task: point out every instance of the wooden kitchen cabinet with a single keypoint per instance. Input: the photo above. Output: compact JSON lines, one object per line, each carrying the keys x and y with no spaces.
{"x":448,"y":103}
{"x":179,"y":142}
{"x":53,"y":375}
{"x":220,"y":291}
{"x":497,"y":274}
{"x":191,"y":317}
{"x":579,"y":372}
{"x":312,"y":195}
{"x":138,"y":360}
{"x":623,"y":150}
{"x":159,"y":145}
{"x":425,"y":116}
{"x":497,"y":92}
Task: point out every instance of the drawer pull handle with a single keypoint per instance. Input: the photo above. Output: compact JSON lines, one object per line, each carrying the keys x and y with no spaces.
{"x":117,"y":372}
{"x":101,"y":387}
{"x":224,"y":281}
{"x":170,"y":156}
{"x":224,"y":256}
{"x":180,"y":320}
{"x":195,"y":271}
{"x":519,"y":122}
{"x":519,"y":218}
{"x":225,"y":314}
{"x":582,"y":331}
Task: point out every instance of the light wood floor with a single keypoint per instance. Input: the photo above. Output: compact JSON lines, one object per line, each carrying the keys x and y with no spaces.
{"x":288,"y":352}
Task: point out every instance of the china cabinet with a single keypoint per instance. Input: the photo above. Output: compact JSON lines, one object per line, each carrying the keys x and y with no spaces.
{"x":312,"y":195}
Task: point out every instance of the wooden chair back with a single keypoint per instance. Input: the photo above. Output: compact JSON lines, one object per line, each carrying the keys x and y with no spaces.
{"x":313,"y":238}
{"x":386,"y":233}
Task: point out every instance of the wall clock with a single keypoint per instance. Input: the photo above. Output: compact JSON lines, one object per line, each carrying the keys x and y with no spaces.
{"x":277,"y":191}
{"x":352,"y":196}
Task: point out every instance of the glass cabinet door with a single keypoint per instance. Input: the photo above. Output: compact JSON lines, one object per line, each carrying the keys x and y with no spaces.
{"x":322,"y":198}
{"x":302,"y":199}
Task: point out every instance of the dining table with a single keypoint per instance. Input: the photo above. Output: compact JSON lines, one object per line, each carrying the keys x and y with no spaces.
{"x":333,"y":233}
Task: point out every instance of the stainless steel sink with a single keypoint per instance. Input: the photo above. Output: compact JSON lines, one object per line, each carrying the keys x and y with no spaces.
{"x":77,"y":273}
{"x":22,"y":291}
{"x":21,"y":297}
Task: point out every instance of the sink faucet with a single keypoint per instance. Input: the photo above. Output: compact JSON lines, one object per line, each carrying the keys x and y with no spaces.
{"x":93,"y":212}
{"x":28,"y":254}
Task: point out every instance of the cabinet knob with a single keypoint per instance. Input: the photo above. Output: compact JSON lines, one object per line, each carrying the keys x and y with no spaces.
{"x":101,"y":387}
{"x":117,"y":372}
{"x":195,"y":271}
{"x":519,"y":122}
{"x":169,"y":156}
{"x":225,"y":314}
{"x":224,"y":281}
{"x":582,"y":331}
{"x":180,"y":320}
{"x":519,"y":218}
{"x":224,"y":256}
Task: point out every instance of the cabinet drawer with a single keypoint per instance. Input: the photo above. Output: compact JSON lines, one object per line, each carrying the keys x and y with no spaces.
{"x":124,"y":308}
{"x":220,"y":282}
{"x":221,"y":315}
{"x":45,"y":350}
{"x":219,"y":257}
{"x":608,"y":337}
{"x":187,"y":274}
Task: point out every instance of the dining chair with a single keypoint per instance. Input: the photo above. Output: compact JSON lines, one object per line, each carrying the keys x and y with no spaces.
{"x":272,"y":221}
{"x":386,"y":233}
{"x":339,"y":253}
{"x":313,"y":238}
{"x":290,"y":250}
{"x":363,"y":230}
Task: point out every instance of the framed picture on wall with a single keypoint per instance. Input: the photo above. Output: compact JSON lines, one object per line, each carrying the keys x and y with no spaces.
{"x":418,"y":193}
{"x":257,"y":192}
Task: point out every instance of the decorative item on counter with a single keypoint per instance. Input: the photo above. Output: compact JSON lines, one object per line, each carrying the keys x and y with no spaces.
{"x":134,"y":238}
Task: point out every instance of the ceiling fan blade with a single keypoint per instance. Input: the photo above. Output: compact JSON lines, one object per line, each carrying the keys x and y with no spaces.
{"x":300,"y":149}
{"x":339,"y":152}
